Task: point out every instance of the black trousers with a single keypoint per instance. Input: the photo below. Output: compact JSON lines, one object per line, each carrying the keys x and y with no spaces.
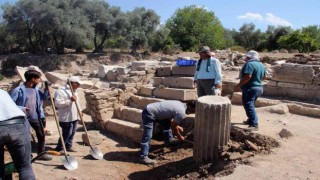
{"x":38,"y":128}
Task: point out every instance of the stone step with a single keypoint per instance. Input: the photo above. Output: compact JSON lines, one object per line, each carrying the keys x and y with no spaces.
{"x":140,"y":102}
{"x":169,"y":93}
{"x":175,"y":82}
{"x":126,"y":129}
{"x":129,"y":114}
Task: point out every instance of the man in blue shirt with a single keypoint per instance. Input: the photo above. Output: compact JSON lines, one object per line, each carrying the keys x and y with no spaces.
{"x":14,"y":134}
{"x":251,"y":76}
{"x":208,"y":73}
{"x":29,"y":98}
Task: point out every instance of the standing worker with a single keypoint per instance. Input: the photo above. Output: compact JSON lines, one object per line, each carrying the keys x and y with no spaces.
{"x":208,"y":76}
{"x":15,"y":135}
{"x":168,"y":114}
{"x":29,"y":98}
{"x":68,"y":113}
{"x":251,"y":76}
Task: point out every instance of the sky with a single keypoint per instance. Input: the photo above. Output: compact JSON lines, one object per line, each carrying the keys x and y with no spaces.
{"x":234,"y":13}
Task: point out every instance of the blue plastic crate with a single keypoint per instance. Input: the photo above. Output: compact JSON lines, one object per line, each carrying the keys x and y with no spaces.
{"x":185,"y":62}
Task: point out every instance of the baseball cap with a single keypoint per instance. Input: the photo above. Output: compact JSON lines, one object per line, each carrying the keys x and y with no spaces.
{"x":75,"y":79}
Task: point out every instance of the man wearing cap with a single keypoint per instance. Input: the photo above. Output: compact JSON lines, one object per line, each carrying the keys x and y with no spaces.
{"x":251,"y":76}
{"x":208,"y":73}
{"x":14,"y":133}
{"x":68,"y":113}
{"x":29,"y":98}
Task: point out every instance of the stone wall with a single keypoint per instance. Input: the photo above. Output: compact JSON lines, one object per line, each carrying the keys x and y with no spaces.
{"x":102,"y":103}
{"x":294,"y":81}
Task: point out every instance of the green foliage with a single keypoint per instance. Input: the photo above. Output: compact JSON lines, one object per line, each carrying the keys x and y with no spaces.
{"x":142,"y":24}
{"x":274,"y":34}
{"x":248,"y":37}
{"x":298,"y":40}
{"x":1,"y":77}
{"x":193,"y":26}
{"x":238,"y":48}
{"x":6,"y":39}
{"x":162,"y":41}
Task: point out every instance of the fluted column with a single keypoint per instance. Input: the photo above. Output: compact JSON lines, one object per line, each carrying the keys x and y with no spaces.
{"x":212,"y":127}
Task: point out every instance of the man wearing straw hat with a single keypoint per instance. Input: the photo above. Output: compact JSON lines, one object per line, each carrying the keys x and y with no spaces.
{"x":207,"y":77}
{"x":68,"y":113}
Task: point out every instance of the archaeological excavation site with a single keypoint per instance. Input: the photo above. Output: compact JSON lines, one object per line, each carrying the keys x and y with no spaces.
{"x":116,"y":88}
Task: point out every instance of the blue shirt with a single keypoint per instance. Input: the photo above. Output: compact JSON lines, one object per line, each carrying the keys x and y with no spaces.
{"x":257,"y":71}
{"x":214,"y":71}
{"x":19,"y":96}
{"x":8,"y":109}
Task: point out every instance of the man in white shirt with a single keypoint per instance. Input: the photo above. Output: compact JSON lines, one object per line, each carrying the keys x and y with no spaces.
{"x":14,"y":134}
{"x":68,"y":113}
{"x":208,"y":73}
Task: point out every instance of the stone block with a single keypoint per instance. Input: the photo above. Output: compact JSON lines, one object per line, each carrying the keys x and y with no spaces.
{"x":164,"y":71}
{"x":125,"y":129}
{"x":135,"y":66}
{"x":176,"y":94}
{"x":236,"y":98}
{"x":278,"y":109}
{"x":290,"y":85}
{"x":104,"y":114}
{"x":130,"y":114}
{"x":183,"y":71}
{"x":157,"y":81}
{"x":179,"y":82}
{"x":228,"y":86}
{"x":137,"y":73}
{"x":304,"y":110}
{"x":57,"y":78}
{"x":146,"y":91}
{"x":104,"y":69}
{"x":272,"y":83}
{"x":294,"y":73}
{"x":141,"y":102}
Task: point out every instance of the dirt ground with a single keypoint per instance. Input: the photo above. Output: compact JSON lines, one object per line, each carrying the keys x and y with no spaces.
{"x":295,"y":158}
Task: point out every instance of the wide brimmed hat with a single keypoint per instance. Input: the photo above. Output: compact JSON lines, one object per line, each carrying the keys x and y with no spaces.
{"x":252,"y":54}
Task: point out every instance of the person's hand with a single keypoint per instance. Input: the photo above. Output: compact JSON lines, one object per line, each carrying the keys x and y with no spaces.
{"x":26,"y":110}
{"x":218,"y":86}
{"x":237,"y":88}
{"x":46,"y":85}
{"x":195,"y":83}
{"x":73,"y":98}
{"x":181,"y":138}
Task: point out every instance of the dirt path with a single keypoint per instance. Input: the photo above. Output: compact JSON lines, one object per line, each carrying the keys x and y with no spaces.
{"x":296,"y":158}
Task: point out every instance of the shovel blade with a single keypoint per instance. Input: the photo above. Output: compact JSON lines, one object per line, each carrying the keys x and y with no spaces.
{"x":70,"y":163}
{"x":96,"y":153}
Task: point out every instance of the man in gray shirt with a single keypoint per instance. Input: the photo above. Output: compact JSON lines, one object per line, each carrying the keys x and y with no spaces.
{"x":169,"y":115}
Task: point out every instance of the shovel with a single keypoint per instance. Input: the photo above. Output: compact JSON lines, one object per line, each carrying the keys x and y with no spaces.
{"x":94,"y":151}
{"x":69,"y":162}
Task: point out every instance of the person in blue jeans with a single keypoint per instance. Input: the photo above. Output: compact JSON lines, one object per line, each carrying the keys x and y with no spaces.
{"x":29,"y":98}
{"x":68,"y":113}
{"x":169,"y":115}
{"x":251,"y":76}
{"x":14,"y":134}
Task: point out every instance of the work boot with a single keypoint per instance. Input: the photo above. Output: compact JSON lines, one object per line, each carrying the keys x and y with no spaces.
{"x":172,"y":143}
{"x":45,"y":158}
{"x":253,"y":128}
{"x":147,"y":160}
{"x":71,"y":150}
{"x":245,"y":122}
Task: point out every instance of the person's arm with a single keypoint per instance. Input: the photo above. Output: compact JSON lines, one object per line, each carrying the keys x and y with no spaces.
{"x":14,"y":96}
{"x":217,"y":71}
{"x":176,"y":129}
{"x":246,"y":78}
{"x":195,"y":75}
{"x":61,"y":100}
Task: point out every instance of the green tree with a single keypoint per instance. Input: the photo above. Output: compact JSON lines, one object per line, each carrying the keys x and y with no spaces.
{"x":193,"y":26}
{"x":162,"y":41}
{"x":6,"y":39}
{"x":248,"y":36}
{"x":274,"y":34}
{"x":142,"y":25}
{"x":298,"y":40}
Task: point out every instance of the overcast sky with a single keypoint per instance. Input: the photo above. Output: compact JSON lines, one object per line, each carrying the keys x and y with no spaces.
{"x":234,"y":13}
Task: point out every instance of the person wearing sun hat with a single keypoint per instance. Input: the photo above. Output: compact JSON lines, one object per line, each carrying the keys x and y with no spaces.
{"x":68,"y":113}
{"x":208,"y":76}
{"x":251,"y":76}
